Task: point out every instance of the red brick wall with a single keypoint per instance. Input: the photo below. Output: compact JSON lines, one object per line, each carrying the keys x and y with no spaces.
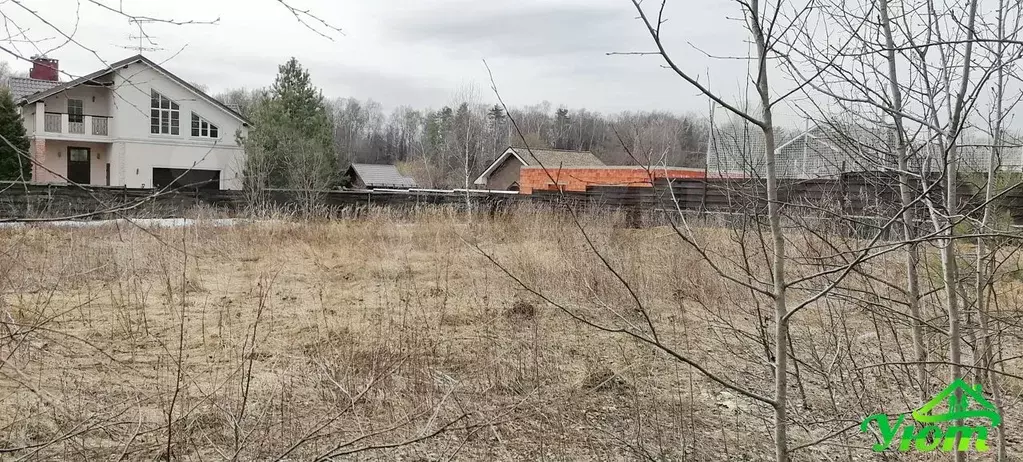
{"x":37,"y":148}
{"x":579,"y":178}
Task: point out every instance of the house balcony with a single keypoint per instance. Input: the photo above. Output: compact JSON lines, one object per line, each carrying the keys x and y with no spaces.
{"x":85,"y":128}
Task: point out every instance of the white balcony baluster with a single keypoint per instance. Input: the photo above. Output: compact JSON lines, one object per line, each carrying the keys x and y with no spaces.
{"x":52,"y":123}
{"x":99,"y":125}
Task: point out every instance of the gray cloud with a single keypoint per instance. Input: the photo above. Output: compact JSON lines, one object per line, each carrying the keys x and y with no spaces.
{"x":419,"y":53}
{"x":335,"y":78}
{"x":390,"y":90}
{"x":552,"y":32}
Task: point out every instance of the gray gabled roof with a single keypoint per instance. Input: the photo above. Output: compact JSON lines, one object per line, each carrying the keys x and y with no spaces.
{"x":554,"y":158}
{"x":24,"y":86}
{"x":43,"y":94}
{"x":381,"y":176}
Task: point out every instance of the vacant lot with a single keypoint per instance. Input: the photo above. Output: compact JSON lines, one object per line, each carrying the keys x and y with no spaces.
{"x":415,"y":338}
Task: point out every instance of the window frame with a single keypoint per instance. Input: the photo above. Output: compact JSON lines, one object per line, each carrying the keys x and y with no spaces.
{"x":71,"y":151}
{"x":164,"y":115}
{"x":200,"y":124}
{"x":75,"y":112}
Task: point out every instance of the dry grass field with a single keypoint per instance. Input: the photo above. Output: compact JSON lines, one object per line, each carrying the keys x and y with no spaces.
{"x":391,"y":338}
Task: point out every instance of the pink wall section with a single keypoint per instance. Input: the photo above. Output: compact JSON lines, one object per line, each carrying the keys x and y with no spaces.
{"x":53,"y":155}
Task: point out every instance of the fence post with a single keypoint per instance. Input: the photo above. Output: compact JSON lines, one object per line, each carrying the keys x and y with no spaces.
{"x":842,"y":191}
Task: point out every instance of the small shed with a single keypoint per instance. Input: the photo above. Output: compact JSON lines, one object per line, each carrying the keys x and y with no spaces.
{"x":373,"y":176}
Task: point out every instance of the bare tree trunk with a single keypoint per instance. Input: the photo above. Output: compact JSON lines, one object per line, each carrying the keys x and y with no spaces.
{"x":468,"y":203}
{"x":951,"y":202}
{"x":948,"y":249}
{"x":781,"y":353}
{"x":985,"y":263}
{"x":912,"y":252}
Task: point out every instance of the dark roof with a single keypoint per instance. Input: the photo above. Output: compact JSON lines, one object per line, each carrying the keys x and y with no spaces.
{"x":552,"y":158}
{"x":382,"y":176}
{"x":40,"y":95}
{"x":24,"y":86}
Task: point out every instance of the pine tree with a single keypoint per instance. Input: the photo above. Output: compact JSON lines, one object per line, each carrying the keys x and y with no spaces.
{"x":562,"y":122}
{"x":291,"y":143}
{"x":446,"y":114}
{"x":13,"y":165}
{"x":434,"y":131}
{"x":300,"y":103}
{"x":496,"y":115}
{"x":498,"y":130}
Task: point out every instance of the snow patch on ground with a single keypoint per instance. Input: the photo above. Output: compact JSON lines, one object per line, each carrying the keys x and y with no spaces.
{"x":141,"y":222}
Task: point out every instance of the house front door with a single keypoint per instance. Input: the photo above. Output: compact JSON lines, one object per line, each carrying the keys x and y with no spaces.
{"x":78,"y":165}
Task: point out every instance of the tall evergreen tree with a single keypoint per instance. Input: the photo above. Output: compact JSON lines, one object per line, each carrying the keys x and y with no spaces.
{"x":300,"y":103}
{"x":13,"y":165}
{"x":434,"y":131}
{"x":498,"y":131}
{"x":496,"y":115}
{"x":562,"y":123}
{"x":446,"y":114}
{"x":291,"y":143}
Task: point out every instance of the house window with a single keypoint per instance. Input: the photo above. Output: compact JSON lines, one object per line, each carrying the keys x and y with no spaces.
{"x":202,"y":128}
{"x":164,"y":115}
{"x":78,"y":154}
{"x":74,"y":111}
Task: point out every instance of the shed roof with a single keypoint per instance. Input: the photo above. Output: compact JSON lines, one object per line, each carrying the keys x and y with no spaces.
{"x":552,"y":158}
{"x":24,"y":86}
{"x":381,"y":176}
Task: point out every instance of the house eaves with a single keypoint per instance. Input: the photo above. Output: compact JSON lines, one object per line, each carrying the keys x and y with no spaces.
{"x":482,"y":179}
{"x":124,"y":63}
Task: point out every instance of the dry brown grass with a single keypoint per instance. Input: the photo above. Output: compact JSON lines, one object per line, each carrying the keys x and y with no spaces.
{"x":243,"y":342}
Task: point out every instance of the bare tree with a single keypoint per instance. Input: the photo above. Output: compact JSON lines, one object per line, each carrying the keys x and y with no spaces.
{"x":936,"y":66}
{"x":468,"y":136}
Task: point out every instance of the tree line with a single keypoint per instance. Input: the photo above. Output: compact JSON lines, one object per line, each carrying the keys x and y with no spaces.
{"x":302,"y":139}
{"x":447,"y":147}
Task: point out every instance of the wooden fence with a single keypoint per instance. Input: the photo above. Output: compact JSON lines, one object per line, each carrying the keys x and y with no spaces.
{"x":850,"y":195}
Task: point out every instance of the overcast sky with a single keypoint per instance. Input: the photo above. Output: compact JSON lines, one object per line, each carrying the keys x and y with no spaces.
{"x":411,"y":52}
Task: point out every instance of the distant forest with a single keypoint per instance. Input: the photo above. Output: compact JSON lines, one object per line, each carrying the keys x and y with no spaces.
{"x":438,"y":146}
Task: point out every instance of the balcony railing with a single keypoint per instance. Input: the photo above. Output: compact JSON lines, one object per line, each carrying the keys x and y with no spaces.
{"x":52,"y":123}
{"x":99,"y":126}
{"x":55,"y":122}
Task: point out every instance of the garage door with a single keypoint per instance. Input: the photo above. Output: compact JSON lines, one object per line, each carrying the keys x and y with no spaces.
{"x":185,"y":179}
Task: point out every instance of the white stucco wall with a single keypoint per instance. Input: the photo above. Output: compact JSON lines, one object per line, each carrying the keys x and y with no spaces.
{"x":132,"y":106}
{"x":28,"y":116}
{"x":139,"y":159}
{"x":137,"y":151}
{"x":95,"y":101}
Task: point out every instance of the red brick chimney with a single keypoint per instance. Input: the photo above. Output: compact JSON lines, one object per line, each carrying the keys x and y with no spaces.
{"x":44,"y":68}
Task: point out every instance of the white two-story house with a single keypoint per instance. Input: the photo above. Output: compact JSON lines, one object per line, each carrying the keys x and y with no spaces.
{"x":131,"y":124}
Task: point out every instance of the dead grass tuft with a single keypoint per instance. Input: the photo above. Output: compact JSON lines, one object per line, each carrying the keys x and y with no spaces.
{"x":604,"y":379}
{"x":521,"y":310}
